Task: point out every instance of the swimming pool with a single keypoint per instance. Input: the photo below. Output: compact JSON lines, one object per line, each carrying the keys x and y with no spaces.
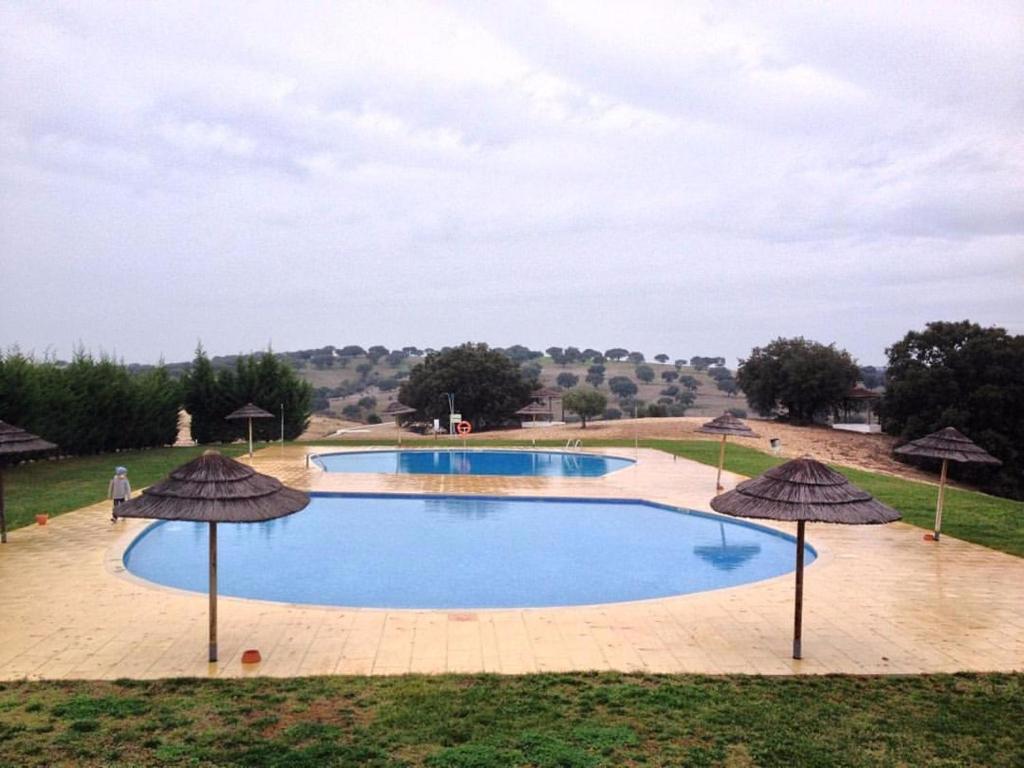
{"x":477,"y":462}
{"x":466,"y":552}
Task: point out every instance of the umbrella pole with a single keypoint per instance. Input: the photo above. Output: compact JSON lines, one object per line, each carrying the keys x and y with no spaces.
{"x":398,"y":431}
{"x":213,"y":592}
{"x":3,"y":516}
{"x":250,"y":440}
{"x":942,"y":493}
{"x":721,"y":463}
{"x":798,"y":615}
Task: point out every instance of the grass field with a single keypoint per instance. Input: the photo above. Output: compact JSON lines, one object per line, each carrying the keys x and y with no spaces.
{"x":55,"y":487}
{"x":563,"y":720}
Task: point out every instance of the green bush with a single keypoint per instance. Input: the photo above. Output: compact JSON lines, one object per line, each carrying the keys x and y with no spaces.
{"x":89,"y":406}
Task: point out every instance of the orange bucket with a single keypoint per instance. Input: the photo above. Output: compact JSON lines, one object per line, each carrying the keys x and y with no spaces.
{"x":252,"y":656}
{"x":41,"y":519}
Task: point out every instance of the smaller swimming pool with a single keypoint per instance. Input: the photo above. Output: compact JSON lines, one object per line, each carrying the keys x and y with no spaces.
{"x":463,"y":462}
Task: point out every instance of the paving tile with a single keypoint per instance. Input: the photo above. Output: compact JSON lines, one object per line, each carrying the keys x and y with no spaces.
{"x":879,"y":600}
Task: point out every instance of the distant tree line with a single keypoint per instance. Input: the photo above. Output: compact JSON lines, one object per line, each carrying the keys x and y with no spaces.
{"x":264,"y":380}
{"x":89,"y":405}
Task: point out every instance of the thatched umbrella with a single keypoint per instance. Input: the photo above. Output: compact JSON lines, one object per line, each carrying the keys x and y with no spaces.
{"x":215,"y":489}
{"x":250,"y":412}
{"x":16,"y":443}
{"x":726,"y":425}
{"x":397,"y":410}
{"x":949,"y":445}
{"x":803,"y":491}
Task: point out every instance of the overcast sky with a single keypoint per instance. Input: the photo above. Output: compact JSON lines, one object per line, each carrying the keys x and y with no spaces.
{"x":668,"y":177}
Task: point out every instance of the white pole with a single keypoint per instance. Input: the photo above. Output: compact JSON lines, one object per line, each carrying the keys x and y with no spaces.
{"x":636,"y":433}
{"x":721,"y":462}
{"x":942,"y":493}
{"x":250,"y":439}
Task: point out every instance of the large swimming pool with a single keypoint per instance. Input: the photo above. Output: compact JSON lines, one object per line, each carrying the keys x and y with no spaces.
{"x":456,"y":462}
{"x":459,"y":552}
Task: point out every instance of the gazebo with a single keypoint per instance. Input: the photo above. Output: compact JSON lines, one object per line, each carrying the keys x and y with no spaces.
{"x":535,"y":409}
{"x":949,"y":445}
{"x":803,"y":491}
{"x":249,"y":412}
{"x":398,"y":410}
{"x":859,"y":395}
{"x":215,"y":489}
{"x":549,"y":394}
{"x":16,"y":444}
{"x":725,"y":425}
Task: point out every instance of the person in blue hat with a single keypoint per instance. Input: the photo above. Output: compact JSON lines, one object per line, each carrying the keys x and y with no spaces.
{"x":120,"y":490}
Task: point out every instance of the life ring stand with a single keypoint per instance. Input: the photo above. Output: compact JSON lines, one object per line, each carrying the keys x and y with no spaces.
{"x":463,"y":427}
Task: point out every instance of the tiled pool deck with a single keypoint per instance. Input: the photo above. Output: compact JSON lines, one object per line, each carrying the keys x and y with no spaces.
{"x":878,"y":599}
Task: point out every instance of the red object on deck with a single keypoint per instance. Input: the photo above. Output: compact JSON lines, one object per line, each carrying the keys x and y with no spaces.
{"x":929,"y":537}
{"x":252,"y":656}
{"x":41,"y":519}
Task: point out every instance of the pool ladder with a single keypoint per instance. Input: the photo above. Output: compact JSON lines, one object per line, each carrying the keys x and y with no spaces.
{"x":571,"y":445}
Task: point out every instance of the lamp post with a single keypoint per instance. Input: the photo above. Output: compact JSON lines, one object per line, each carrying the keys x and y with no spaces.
{"x":451,"y":409}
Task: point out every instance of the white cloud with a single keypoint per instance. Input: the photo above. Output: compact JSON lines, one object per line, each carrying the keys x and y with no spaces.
{"x":789,"y":167}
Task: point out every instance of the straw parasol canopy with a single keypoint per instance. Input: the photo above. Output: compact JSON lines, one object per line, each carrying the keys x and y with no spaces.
{"x":803,"y":491}
{"x":949,"y":445}
{"x":16,"y":443}
{"x":725,"y":425}
{"x":215,"y":489}
{"x":397,"y":410}
{"x":250,"y":412}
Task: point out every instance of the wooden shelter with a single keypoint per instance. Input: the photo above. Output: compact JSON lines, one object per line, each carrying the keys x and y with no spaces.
{"x":803,"y":491}
{"x":949,"y":445}
{"x":535,"y":409}
{"x":398,"y":410}
{"x":249,"y":412}
{"x":215,"y":489}
{"x":725,"y":425}
{"x":549,"y":395}
{"x":863,"y":395}
{"x":16,"y":444}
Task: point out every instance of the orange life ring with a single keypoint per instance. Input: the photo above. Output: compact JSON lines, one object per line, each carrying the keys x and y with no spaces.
{"x":463,"y":427}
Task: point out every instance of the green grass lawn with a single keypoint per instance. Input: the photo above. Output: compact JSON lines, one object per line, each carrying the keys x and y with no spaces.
{"x":545,"y":721}
{"x":55,"y":487}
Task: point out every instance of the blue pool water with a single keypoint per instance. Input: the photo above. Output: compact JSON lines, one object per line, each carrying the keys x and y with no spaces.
{"x":466,"y":552}
{"x":518,"y":463}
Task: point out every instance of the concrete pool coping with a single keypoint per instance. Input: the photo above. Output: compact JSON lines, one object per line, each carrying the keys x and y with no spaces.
{"x":878,"y":600}
{"x":311,"y":457}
